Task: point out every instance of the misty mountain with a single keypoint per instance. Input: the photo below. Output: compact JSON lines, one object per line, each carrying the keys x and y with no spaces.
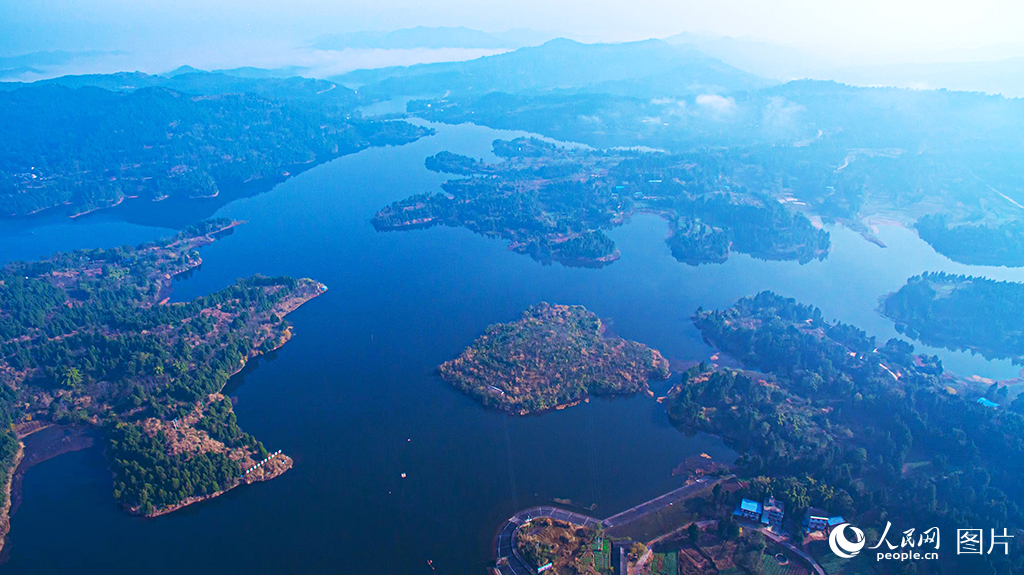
{"x":189,"y":80}
{"x":755,"y":56}
{"x":649,"y":68}
{"x":428,"y":37}
{"x":968,"y":70}
{"x":38,"y":62}
{"x":262,"y":73}
{"x":1004,"y":77}
{"x":52,"y":58}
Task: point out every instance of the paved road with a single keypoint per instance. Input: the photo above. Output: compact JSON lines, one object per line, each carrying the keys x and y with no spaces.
{"x":659,"y":503}
{"x":510,"y":563}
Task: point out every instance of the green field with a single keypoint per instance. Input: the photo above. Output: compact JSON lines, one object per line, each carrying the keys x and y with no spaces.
{"x":602,"y":553}
{"x":664,"y":564}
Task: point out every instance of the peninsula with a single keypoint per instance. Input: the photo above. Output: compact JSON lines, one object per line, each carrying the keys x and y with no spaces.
{"x":553,"y":356}
{"x":88,"y":339}
{"x":104,"y":139}
{"x":825,"y":416}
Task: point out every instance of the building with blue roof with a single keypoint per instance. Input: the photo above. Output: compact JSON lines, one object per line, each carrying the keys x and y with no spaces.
{"x":748,"y":509}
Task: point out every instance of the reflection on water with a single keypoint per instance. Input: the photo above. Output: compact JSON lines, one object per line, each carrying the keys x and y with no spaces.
{"x":353,"y":398}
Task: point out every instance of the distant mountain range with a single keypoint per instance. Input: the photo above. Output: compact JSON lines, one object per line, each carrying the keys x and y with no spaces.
{"x":980,"y":70}
{"x":35,"y":59}
{"x":1004,"y":77}
{"x":277,"y":84}
{"x":37,"y":62}
{"x":649,"y":68}
{"x":426,"y":37}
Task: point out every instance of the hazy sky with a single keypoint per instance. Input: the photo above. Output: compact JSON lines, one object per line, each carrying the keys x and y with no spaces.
{"x":851,"y":26}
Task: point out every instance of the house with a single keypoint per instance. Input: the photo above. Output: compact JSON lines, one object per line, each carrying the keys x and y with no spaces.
{"x":773,"y":512}
{"x":749,"y":510}
{"x":815,"y":519}
{"x":835,"y":520}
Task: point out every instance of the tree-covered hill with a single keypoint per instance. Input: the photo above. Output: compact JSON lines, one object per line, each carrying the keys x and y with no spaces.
{"x":645,"y":69}
{"x":87,"y":148}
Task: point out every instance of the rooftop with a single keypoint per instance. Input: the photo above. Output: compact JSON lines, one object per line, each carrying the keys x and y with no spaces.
{"x":816,"y":513}
{"x":773,"y":504}
{"x":752,"y":506}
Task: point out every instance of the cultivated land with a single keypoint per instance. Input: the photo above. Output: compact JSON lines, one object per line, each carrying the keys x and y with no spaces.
{"x":555,"y":355}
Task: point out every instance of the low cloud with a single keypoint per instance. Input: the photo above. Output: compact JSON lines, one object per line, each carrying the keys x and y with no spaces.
{"x":719,"y":104}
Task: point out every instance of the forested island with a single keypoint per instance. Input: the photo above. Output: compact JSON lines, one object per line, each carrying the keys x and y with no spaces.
{"x":553,"y":356}
{"x":997,"y":244}
{"x":85,"y":147}
{"x":827,"y":417}
{"x":556,"y":203}
{"x":87,"y":338}
{"x":961,"y":313}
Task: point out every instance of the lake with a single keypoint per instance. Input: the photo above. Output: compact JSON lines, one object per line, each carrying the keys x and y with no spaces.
{"x":353,"y":398}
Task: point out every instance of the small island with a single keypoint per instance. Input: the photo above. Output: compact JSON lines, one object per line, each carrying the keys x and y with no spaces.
{"x":998,"y":243}
{"x":961,"y":313}
{"x":553,"y":356}
{"x":88,"y":340}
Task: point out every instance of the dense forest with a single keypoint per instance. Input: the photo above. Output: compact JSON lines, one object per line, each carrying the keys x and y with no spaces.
{"x":87,"y":337}
{"x":88,"y":147}
{"x":553,"y":355}
{"x":832,"y":419}
{"x":555,"y":204}
{"x":961,"y":313}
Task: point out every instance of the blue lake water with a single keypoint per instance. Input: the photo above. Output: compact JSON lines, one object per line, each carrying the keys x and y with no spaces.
{"x":354,"y":400}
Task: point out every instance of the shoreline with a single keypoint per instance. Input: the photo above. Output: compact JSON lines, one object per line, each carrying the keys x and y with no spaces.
{"x":286,"y":463}
{"x":43,"y":443}
{"x":5,"y":510}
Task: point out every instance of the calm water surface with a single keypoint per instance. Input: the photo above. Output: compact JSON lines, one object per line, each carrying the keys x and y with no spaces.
{"x":353,"y":399}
